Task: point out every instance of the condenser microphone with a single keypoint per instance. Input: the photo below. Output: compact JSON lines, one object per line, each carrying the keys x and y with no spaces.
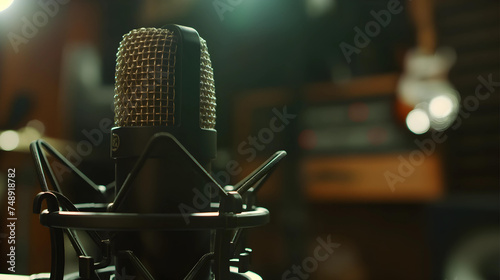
{"x":163,"y":142}
{"x":163,"y":86}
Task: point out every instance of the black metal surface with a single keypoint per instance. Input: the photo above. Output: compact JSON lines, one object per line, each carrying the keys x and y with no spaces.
{"x":160,"y":144}
{"x":136,"y":222}
{"x":132,"y":141}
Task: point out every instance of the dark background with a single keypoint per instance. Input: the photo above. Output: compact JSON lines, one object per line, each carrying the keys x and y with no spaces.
{"x":271,"y":54}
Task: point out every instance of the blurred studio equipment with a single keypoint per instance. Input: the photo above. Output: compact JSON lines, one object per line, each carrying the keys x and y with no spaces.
{"x":425,"y":90}
{"x":426,"y":99}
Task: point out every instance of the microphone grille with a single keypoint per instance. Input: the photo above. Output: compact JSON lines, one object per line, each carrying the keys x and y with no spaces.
{"x":145,"y":87}
{"x":207,"y":89}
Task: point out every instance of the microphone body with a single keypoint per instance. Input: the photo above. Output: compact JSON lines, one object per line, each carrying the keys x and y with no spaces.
{"x":164,"y":83}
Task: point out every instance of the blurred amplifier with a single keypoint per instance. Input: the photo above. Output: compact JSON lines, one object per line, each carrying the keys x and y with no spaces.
{"x":350,"y":144}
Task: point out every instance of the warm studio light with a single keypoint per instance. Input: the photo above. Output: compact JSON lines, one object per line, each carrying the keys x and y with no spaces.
{"x":440,"y":107}
{"x":9,"y":140}
{"x":417,"y":121}
{"x":4,"y":4}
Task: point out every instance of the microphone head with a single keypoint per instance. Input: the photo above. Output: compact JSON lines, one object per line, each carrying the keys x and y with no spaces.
{"x":149,"y":79}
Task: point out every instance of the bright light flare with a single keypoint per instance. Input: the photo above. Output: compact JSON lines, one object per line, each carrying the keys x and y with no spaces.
{"x":5,"y":4}
{"x":440,"y":107}
{"x":9,"y":140}
{"x":418,"y":122}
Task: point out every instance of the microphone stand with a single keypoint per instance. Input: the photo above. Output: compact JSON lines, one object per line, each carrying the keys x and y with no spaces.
{"x":236,"y":211}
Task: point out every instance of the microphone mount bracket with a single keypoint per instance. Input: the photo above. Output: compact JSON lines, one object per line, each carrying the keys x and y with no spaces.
{"x":236,"y":211}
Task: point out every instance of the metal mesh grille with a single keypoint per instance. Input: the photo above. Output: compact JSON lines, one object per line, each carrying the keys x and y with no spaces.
{"x":145,"y":80}
{"x":207,"y":89}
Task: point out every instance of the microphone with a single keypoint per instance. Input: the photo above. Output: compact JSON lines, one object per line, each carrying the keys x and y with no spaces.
{"x":163,"y":84}
{"x":163,"y":142}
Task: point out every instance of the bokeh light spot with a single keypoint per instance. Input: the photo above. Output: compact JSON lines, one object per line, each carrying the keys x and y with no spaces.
{"x":9,"y":140}
{"x":440,"y":106}
{"x":417,"y":121}
{"x":5,"y":4}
